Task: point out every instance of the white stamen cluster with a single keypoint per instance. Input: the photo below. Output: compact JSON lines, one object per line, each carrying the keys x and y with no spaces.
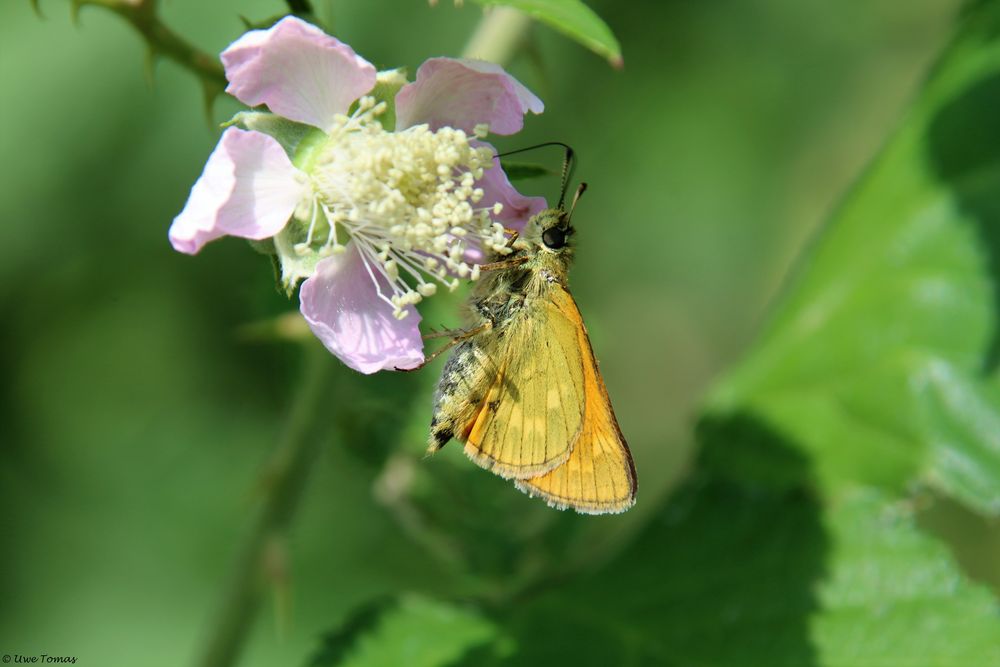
{"x":407,"y":199}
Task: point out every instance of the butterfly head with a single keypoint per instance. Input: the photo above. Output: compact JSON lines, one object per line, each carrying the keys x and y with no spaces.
{"x":551,"y":230}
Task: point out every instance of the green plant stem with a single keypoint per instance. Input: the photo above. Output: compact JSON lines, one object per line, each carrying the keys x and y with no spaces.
{"x":498,"y":36}
{"x":141,"y":14}
{"x":284,"y":481}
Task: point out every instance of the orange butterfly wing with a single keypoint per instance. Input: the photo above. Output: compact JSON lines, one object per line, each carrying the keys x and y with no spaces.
{"x":533,"y":407}
{"x":599,"y":475}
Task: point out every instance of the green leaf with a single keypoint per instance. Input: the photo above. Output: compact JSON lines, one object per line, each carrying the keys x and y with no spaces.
{"x":737,"y":573}
{"x":572,"y":18}
{"x":894,"y":596}
{"x":414,"y":631}
{"x":963,"y":429}
{"x":521,"y":171}
{"x":881,"y":360}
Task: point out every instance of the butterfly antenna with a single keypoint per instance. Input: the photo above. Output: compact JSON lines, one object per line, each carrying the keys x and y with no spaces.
{"x":576,"y":197}
{"x":568,"y":164}
{"x":569,"y":150}
{"x":567,"y":171}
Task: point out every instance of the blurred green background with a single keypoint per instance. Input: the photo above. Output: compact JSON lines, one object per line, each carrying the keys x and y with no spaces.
{"x":136,"y":420}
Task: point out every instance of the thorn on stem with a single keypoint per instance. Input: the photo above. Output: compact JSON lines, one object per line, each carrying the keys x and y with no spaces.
{"x":210,"y":90}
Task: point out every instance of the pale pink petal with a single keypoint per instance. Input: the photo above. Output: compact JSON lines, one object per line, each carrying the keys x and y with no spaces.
{"x":463,"y":94}
{"x":249,"y":188}
{"x":517,"y":209}
{"x":344,"y":311}
{"x":298,"y":71}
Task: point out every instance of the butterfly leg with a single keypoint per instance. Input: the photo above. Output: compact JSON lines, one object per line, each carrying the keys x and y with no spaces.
{"x":456,"y":338}
{"x":503,"y":264}
{"x":513,"y":236}
{"x":446,"y":333}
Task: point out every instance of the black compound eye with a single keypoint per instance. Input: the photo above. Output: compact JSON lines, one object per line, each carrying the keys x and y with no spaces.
{"x":554,"y":238}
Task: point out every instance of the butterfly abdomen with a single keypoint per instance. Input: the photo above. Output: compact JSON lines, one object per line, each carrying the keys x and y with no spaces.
{"x":453,"y":398}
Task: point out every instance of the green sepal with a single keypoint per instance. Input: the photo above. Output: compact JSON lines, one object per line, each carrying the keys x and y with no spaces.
{"x":295,"y":267}
{"x":288,"y":133}
{"x":302,"y":143}
{"x":386,"y":86}
{"x":263,"y":246}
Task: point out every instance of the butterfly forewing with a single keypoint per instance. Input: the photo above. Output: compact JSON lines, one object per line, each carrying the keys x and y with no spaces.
{"x":532,"y":412}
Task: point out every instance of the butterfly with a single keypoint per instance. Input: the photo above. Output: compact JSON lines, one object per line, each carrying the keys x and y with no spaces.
{"x":522,"y":388}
